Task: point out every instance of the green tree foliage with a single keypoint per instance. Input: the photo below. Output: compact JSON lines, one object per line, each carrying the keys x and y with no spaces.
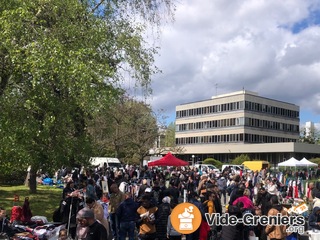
{"x":127,"y":130}
{"x":60,"y":63}
{"x":315,"y":160}
{"x":170,"y":135}
{"x":240,"y":159}
{"x":214,"y":162}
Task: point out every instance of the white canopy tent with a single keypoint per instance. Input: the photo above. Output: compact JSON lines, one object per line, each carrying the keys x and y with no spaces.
{"x":307,"y":163}
{"x":292,"y":162}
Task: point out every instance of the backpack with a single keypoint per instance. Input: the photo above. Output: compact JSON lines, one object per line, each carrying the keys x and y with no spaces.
{"x":16,"y":213}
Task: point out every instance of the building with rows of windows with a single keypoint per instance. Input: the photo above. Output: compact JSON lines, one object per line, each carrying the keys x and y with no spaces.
{"x":242,"y":122}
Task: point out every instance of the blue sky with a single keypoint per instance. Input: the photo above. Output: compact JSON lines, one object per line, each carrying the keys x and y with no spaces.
{"x":215,"y":47}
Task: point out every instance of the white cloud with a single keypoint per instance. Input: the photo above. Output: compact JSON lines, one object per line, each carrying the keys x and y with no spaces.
{"x":222,"y":46}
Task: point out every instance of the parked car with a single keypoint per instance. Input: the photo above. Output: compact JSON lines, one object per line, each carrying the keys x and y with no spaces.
{"x":204,"y":167}
{"x":235,"y":168}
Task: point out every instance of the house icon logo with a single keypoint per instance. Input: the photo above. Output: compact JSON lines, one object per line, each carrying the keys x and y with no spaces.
{"x":185,"y":218}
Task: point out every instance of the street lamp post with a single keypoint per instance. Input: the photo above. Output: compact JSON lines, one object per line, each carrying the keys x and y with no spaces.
{"x":192,"y":159}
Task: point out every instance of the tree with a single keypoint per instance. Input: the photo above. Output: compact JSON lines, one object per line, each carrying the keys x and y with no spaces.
{"x":311,"y":137}
{"x":167,"y":141}
{"x":240,"y":159}
{"x":127,"y":130}
{"x":170,"y":135}
{"x":60,"y":63}
{"x":213,"y":161}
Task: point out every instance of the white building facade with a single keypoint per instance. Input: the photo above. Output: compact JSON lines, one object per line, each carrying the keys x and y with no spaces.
{"x":242,"y":122}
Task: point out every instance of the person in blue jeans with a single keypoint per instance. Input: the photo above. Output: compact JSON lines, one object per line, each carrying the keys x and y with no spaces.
{"x":127,"y":216}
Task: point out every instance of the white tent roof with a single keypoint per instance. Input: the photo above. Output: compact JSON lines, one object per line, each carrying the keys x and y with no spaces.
{"x":292,"y":162}
{"x":306,"y":162}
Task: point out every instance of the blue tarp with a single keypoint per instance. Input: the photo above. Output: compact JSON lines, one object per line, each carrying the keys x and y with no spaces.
{"x":47,"y":181}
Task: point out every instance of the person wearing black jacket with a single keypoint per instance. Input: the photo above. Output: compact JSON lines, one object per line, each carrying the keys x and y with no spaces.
{"x":263,"y":199}
{"x":174,"y":193}
{"x":127,"y":216}
{"x":233,"y":232}
{"x":162,"y":218}
{"x":5,"y":228}
{"x":314,"y":219}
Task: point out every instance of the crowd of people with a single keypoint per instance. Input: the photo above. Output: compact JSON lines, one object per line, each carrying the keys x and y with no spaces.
{"x":137,"y":202}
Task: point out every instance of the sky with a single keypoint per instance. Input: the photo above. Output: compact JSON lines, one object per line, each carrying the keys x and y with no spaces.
{"x":221,"y":46}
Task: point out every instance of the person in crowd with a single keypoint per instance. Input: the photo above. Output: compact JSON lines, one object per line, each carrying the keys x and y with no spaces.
{"x":116,"y":197}
{"x":272,"y":187}
{"x":235,"y":190}
{"x":66,"y":192}
{"x":263,"y":204}
{"x":157,"y":191}
{"x":90,"y":189}
{"x":96,"y":231}
{"x":5,"y":228}
{"x":172,"y":234}
{"x":250,"y":186}
{"x":143,"y":187}
{"x":193,"y":199}
{"x":202,"y":187}
{"x":63,"y":234}
{"x":163,"y":212}
{"x":174,"y":193}
{"x":245,"y":199}
{"x":191,"y":185}
{"x":208,"y":207}
{"x":309,"y":196}
{"x":263,"y":201}
{"x":222,"y":185}
{"x":127,"y":216}
{"x":150,"y":194}
{"x":314,"y":219}
{"x":276,"y":232}
{"x":147,"y":218}
{"x":233,"y":232}
{"x":315,"y":192}
{"x":98,"y":212}
{"x":208,"y":204}
{"x":217,"y":199}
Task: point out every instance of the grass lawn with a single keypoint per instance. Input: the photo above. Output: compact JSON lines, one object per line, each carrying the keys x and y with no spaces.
{"x":43,"y":203}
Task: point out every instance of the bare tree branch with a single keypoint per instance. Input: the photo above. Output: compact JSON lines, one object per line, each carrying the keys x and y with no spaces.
{"x":96,"y":6}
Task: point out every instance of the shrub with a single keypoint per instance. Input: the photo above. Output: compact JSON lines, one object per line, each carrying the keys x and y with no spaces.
{"x":240,"y":159}
{"x":213,"y":161}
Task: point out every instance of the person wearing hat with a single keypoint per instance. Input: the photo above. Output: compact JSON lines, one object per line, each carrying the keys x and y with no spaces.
{"x":96,"y":231}
{"x":146,"y":222}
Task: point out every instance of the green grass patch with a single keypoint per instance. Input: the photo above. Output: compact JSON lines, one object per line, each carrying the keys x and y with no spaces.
{"x":43,"y":203}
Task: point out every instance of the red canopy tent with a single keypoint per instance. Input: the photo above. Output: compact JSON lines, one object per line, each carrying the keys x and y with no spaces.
{"x":168,"y":160}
